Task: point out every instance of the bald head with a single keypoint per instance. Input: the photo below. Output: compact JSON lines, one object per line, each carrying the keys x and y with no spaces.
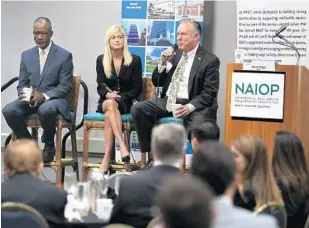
{"x":22,"y":156}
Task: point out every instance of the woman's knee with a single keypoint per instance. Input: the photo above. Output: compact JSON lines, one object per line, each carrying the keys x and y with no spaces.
{"x":110,"y":105}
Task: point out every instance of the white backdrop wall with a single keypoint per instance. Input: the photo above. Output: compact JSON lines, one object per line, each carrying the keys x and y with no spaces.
{"x":80,"y":27}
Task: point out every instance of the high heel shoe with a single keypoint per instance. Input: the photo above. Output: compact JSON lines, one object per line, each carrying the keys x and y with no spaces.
{"x":126,"y":160}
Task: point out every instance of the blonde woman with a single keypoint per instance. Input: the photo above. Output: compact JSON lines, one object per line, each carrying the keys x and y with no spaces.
{"x":120,"y":71}
{"x":257,"y":185}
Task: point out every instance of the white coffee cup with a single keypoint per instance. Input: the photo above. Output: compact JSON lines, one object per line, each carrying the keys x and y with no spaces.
{"x":175,"y":107}
{"x":27,"y":94}
{"x":240,"y":55}
{"x":104,"y":209}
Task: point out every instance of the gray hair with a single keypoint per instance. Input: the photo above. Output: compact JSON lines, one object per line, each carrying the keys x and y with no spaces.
{"x":196,"y":26}
{"x":44,"y":20}
{"x":168,"y":142}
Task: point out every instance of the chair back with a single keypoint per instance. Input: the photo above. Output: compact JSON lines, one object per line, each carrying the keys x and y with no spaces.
{"x":275,"y":210}
{"x":114,"y":180}
{"x":73,"y":97}
{"x":21,"y":215}
{"x":149,"y":91}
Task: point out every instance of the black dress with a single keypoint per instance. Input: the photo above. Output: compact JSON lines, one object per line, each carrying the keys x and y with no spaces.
{"x":128,"y":83}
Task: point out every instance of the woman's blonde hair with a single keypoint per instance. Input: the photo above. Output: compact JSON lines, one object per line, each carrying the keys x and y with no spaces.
{"x":107,"y":59}
{"x":258,"y":172}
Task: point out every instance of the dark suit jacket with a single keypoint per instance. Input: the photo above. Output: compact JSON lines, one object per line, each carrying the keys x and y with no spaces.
{"x":136,"y":196}
{"x":203,"y":83}
{"x":56,"y":80}
{"x":129,"y":82}
{"x":46,"y":198}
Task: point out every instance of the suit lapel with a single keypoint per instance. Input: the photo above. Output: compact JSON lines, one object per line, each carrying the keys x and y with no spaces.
{"x":195,"y":66}
{"x":50,"y":58}
{"x":37,"y":64}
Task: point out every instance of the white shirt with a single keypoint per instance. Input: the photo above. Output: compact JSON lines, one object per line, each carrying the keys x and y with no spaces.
{"x":176,"y":164}
{"x":183,"y":92}
{"x":46,"y":51}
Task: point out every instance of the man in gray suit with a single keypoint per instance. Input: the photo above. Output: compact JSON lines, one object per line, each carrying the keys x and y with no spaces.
{"x":214,"y":164}
{"x":48,"y":70}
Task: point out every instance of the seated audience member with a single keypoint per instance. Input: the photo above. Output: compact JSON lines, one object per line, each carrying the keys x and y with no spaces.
{"x":189,"y":77}
{"x":120,"y":71}
{"x":214,"y":164}
{"x":207,"y":131}
{"x":257,"y":188}
{"x":136,"y":193}
{"x":292,"y":175}
{"x":185,"y":202}
{"x":48,"y":70}
{"x":23,"y":162}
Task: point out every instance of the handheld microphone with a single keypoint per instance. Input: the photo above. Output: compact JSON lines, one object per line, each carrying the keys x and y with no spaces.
{"x":280,"y":30}
{"x":107,"y":88}
{"x":173,"y":49}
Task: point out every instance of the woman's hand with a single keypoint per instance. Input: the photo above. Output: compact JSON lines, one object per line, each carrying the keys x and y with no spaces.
{"x":112,"y":95}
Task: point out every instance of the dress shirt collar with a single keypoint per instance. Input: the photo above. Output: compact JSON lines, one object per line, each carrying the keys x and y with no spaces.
{"x":176,"y":164}
{"x":46,"y":50}
{"x":193,"y":51}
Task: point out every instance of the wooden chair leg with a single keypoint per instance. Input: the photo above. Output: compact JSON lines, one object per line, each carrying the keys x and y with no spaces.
{"x":58,"y":154}
{"x":143,"y":160}
{"x":85,"y":152}
{"x":74,"y":151}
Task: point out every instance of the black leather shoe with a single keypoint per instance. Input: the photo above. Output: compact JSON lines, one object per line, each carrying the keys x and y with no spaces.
{"x":49,"y":152}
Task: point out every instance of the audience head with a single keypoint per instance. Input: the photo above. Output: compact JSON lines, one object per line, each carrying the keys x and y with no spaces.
{"x":188,"y":34}
{"x":42,"y":32}
{"x":214,"y":164}
{"x":23,"y":156}
{"x":168,"y":143}
{"x":207,"y":131}
{"x":185,"y":202}
{"x":289,"y":162}
{"x":254,"y":168}
{"x":115,"y":42}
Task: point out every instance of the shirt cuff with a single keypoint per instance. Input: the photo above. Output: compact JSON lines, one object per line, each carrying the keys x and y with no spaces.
{"x":191,"y":107}
{"x":46,"y":97}
{"x":168,"y":66}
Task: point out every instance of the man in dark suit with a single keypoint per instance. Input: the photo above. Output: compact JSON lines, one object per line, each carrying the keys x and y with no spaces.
{"x":48,"y":70}
{"x":189,"y":77}
{"x":23,"y":162}
{"x":137,"y":192}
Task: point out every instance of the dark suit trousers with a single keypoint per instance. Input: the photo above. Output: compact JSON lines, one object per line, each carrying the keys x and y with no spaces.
{"x":146,"y":113}
{"x":15,"y":114}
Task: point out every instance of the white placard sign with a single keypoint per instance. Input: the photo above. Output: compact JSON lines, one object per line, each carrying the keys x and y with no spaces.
{"x":257,"y":95}
{"x":258,"y":21}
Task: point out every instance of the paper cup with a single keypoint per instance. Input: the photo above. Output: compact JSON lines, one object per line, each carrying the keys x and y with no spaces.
{"x":27,"y":94}
{"x":174,"y":108}
{"x":239,"y":55}
{"x":104,"y":209}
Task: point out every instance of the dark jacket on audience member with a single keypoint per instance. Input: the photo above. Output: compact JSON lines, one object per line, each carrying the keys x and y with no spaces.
{"x":296,"y":206}
{"x":46,"y":198}
{"x":136,"y":196}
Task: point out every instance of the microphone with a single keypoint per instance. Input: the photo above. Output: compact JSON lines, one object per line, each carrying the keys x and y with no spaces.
{"x":173,"y":49}
{"x":280,"y":30}
{"x":105,"y":86}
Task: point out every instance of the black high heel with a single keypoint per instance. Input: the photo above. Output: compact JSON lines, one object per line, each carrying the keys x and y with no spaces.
{"x":126,"y":158}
